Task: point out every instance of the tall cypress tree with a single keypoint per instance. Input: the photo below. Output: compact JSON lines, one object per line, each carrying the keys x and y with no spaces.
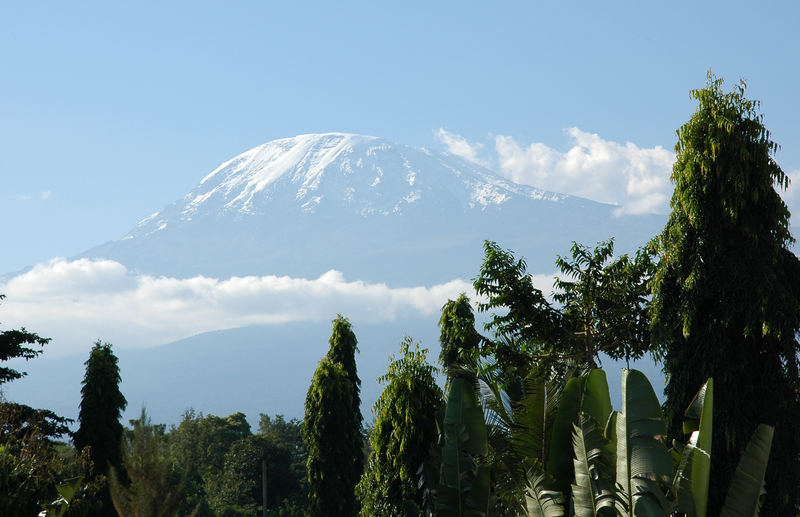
{"x":726,"y":291}
{"x":102,"y":404}
{"x":333,"y":428}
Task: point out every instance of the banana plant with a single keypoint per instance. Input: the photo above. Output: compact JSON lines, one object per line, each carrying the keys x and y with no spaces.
{"x":464,"y":489}
{"x":592,"y":461}
{"x":747,"y":486}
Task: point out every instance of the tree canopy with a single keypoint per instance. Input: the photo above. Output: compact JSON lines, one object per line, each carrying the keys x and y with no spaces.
{"x":405,"y":430}
{"x":333,"y":427}
{"x":726,"y":291}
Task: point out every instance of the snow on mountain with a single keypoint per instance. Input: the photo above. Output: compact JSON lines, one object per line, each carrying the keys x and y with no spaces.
{"x":371,"y":208}
{"x":362,"y":175}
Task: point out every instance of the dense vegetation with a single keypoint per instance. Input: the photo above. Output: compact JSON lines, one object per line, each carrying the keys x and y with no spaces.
{"x":524,"y":425}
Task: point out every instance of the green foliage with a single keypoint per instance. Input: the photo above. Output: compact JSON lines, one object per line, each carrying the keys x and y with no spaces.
{"x":240,"y":485}
{"x":404,"y":432}
{"x":620,"y":463}
{"x":66,"y":493}
{"x":197,"y":449}
{"x":152,"y":491}
{"x":12,"y":346}
{"x":28,"y":473}
{"x":460,"y":342}
{"x":726,"y":292}
{"x":30,"y":464}
{"x":332,"y":428}
{"x":602,"y":308}
{"x":464,"y":489}
{"x":526,"y":322}
{"x":604,"y":303}
{"x":283,"y":435}
{"x":744,"y":496}
{"x":101,"y":407}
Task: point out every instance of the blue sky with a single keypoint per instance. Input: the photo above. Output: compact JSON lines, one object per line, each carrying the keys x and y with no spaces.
{"x":108,"y":111}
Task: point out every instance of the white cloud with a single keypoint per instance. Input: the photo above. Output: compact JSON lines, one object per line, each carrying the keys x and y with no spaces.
{"x":459,"y":146}
{"x":635,"y":178}
{"x":45,"y":195}
{"x":77,"y":302}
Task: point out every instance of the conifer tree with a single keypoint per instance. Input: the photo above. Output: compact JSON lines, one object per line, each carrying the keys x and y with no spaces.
{"x":726,"y":293}
{"x":333,"y":428}
{"x":101,"y":407}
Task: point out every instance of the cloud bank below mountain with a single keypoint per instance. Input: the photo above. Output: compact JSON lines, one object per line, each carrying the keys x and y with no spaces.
{"x":77,"y":302}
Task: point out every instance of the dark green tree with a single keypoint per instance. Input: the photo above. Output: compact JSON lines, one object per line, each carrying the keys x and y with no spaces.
{"x":726,"y":293}
{"x":13,"y":345}
{"x":403,"y":434}
{"x":602,"y":308}
{"x":30,"y":465}
{"x":459,"y":341}
{"x":240,"y":486}
{"x":603,"y":303}
{"x":332,"y":428}
{"x":101,"y":407}
{"x":287,"y":435}
{"x":197,"y":450}
{"x":524,"y":322}
{"x":152,"y":489}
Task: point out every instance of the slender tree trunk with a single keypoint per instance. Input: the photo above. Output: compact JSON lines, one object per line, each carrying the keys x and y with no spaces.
{"x":264,"y":487}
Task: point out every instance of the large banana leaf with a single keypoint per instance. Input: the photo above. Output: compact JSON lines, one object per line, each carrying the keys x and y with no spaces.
{"x":692,"y":475}
{"x":464,"y":487}
{"x":587,"y":395}
{"x":596,"y":401}
{"x":640,"y":452}
{"x":592,"y":491}
{"x":540,"y":501}
{"x":748,"y":480}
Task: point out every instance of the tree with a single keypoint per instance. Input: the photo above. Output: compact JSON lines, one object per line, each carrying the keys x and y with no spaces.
{"x":332,"y":428}
{"x":403,"y":434}
{"x":101,"y":407}
{"x":602,"y":308}
{"x":726,"y":292}
{"x":459,"y":340}
{"x":152,"y":491}
{"x":29,"y":462}
{"x":287,"y":436}
{"x":12,"y":346}
{"x":197,"y":449}
{"x":604,"y":305}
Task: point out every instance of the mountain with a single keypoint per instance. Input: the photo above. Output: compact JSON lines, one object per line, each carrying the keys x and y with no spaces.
{"x":375,"y":210}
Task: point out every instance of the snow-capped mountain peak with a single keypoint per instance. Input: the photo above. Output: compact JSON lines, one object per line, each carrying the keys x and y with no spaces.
{"x":368,"y":207}
{"x":338,"y":171}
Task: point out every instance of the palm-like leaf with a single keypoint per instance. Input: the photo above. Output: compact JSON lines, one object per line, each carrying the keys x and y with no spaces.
{"x":541,"y":501}
{"x":641,"y":456}
{"x":748,"y":480}
{"x":592,"y":491}
{"x":692,"y":475}
{"x":464,"y":487}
